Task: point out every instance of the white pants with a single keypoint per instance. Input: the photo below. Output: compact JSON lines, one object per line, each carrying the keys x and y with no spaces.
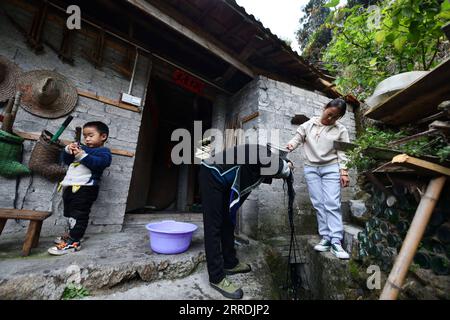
{"x":324,"y":188}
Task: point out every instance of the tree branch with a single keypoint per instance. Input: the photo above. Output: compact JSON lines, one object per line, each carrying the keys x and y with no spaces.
{"x":434,"y":55}
{"x":353,"y":43}
{"x":424,"y":63}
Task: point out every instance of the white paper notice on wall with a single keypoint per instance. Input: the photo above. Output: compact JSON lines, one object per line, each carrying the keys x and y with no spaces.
{"x":128,"y":98}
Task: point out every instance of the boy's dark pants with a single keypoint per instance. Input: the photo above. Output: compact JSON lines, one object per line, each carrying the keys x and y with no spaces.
{"x":218,"y":227}
{"x":78,"y":206}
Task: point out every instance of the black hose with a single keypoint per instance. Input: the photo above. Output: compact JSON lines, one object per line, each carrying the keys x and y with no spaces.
{"x":293,"y":279}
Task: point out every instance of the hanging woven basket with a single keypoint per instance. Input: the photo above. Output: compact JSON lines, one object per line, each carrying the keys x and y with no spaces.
{"x":46,"y":158}
{"x":10,"y":154}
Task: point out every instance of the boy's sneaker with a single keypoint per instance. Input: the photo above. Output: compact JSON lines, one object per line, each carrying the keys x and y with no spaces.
{"x":64,"y":238}
{"x":338,"y":251}
{"x":228,"y":289}
{"x":64,"y":248}
{"x":323,"y":245}
{"x":240,"y":268}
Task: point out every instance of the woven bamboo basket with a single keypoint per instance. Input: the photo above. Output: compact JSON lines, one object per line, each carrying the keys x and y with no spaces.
{"x":46,"y":158}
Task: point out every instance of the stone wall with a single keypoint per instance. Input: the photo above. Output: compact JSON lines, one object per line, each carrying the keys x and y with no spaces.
{"x":37,"y":193}
{"x":264,"y":214}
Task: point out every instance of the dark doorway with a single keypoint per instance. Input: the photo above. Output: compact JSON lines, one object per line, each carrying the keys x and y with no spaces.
{"x":157,"y":184}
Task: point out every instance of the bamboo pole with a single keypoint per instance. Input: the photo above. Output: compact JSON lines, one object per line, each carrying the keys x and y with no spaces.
{"x":414,"y":236}
{"x":7,"y":116}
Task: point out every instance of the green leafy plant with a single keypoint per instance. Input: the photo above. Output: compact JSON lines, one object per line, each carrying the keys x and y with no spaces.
{"x":378,"y":138}
{"x":74,"y":291}
{"x":443,"y":153}
{"x":371,"y":43}
{"x":414,"y":267}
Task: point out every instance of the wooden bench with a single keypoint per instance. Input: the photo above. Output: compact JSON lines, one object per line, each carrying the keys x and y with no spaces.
{"x":34,"y":228}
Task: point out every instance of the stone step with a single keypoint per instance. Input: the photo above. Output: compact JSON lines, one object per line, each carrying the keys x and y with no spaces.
{"x":104,"y":261}
{"x":323,"y":275}
{"x":257,"y":285}
{"x":113,"y":260}
{"x":350,"y":241}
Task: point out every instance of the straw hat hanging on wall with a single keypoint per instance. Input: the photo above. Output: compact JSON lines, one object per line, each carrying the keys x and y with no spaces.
{"x":9,"y":74}
{"x":47,"y":94}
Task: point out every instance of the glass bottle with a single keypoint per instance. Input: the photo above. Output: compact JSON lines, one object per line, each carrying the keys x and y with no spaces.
{"x":402,"y":227}
{"x":392,"y":215}
{"x":379,"y":249}
{"x":371,"y":248}
{"x":436,"y":246}
{"x":367,"y":227}
{"x":440,"y":265}
{"x":384,"y":228}
{"x":362,"y":253}
{"x":443,"y":233}
{"x":388,"y":256}
{"x":423,"y":258}
{"x":394,"y":241}
{"x":376,"y":237}
{"x":362,"y":237}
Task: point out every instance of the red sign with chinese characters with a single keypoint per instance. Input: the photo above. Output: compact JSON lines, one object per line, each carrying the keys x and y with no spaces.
{"x":188,"y":82}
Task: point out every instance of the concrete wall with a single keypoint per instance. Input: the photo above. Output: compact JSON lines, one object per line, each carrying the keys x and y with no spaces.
{"x":37,"y":193}
{"x":264,"y":214}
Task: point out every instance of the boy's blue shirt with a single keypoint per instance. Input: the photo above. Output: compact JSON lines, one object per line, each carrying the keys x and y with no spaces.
{"x":97,"y":160}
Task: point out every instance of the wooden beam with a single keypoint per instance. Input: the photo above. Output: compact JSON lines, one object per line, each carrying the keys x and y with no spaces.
{"x":243,"y":56}
{"x":232,"y":30}
{"x":416,"y":163}
{"x":115,"y":103}
{"x":206,"y":12}
{"x":250,"y":117}
{"x":35,"y":136}
{"x":197,"y":36}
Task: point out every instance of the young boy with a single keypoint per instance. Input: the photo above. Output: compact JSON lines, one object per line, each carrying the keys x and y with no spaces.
{"x":81,"y":183}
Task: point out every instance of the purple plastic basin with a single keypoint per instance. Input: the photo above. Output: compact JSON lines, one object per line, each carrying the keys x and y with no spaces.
{"x":169,"y":236}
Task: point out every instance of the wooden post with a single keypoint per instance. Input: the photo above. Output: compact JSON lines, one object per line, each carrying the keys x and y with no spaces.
{"x":37,"y":234}
{"x":30,"y":237}
{"x":2,"y":224}
{"x":414,"y":236}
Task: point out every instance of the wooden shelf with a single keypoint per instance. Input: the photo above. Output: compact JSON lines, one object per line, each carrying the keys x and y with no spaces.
{"x":417,"y":101}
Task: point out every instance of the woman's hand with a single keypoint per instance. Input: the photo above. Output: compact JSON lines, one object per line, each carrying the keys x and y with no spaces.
{"x":290,"y":147}
{"x":291,"y":166}
{"x":345,"y":180}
